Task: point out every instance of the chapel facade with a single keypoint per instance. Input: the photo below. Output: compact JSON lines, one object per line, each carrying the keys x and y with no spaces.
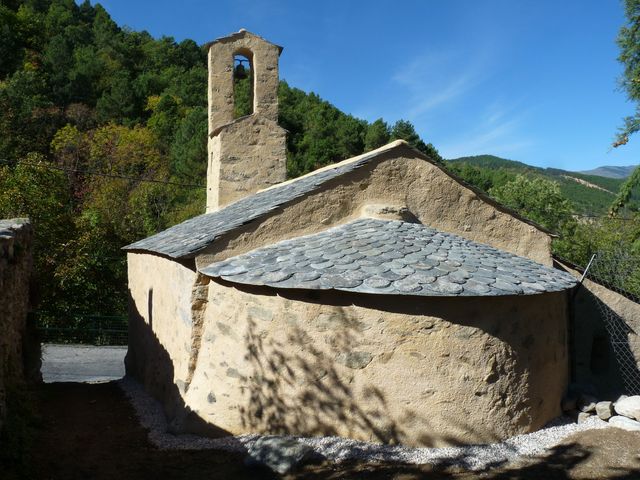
{"x":380,"y":298}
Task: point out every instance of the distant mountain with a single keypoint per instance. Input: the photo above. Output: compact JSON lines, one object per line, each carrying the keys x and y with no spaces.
{"x":493,"y":162}
{"x":611,"y":171}
{"x":590,"y":194}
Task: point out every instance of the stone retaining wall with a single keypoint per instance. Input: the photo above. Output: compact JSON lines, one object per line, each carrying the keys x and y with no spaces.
{"x":595,"y":362}
{"x":16,"y":241}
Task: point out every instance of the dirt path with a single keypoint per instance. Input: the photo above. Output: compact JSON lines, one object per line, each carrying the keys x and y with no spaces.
{"x":89,"y":431}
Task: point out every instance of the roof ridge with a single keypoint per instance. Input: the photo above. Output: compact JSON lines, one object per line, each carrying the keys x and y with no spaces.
{"x":332,"y":166}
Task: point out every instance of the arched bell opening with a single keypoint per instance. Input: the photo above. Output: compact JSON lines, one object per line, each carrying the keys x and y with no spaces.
{"x":243,"y":83}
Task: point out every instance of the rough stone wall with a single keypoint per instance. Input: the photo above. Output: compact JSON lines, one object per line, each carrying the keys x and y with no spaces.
{"x":161,"y":324}
{"x":247,"y":154}
{"x":399,"y":178}
{"x":244,"y":157}
{"x":263,"y":56}
{"x":594,"y":359}
{"x":435,"y":371}
{"x":16,"y":242}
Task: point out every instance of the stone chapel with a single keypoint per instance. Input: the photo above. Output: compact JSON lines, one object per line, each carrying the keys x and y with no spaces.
{"x":380,"y":298}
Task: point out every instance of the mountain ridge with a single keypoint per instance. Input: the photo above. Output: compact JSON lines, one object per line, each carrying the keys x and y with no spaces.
{"x":590,"y":194}
{"x":606,"y":171}
{"x":611,"y":171}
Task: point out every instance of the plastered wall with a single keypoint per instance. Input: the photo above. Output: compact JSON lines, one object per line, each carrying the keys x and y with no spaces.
{"x":161,"y":324}
{"x":420,"y":371}
{"x":398,"y":178}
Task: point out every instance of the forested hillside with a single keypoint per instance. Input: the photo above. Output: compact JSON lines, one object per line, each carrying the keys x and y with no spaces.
{"x":589,"y":194}
{"x":103,"y":142}
{"x":581,"y":208}
{"x":611,"y":171}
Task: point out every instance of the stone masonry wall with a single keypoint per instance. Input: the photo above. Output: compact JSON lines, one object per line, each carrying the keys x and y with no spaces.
{"x":264,"y":62}
{"x":244,"y":157}
{"x":422,"y":372}
{"x":246,"y":154}
{"x":399,"y":178}
{"x":595,"y":360}
{"x":161,"y":325}
{"x":16,"y":241}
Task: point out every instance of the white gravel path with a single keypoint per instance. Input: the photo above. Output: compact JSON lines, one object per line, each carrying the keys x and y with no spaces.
{"x":472,"y":457}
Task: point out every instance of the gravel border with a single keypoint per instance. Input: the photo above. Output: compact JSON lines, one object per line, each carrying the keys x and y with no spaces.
{"x":337,"y":449}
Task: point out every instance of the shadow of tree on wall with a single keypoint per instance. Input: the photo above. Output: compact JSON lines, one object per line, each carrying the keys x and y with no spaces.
{"x":299,"y":386}
{"x":331,"y":397}
{"x":328,"y":399}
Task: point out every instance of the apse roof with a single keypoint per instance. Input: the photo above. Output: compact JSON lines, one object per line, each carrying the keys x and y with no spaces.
{"x":390,"y":257}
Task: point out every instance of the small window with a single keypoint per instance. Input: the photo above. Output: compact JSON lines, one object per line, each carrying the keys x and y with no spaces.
{"x":242,"y":84}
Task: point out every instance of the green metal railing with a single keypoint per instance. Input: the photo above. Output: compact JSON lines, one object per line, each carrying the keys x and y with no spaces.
{"x":84,"y":329}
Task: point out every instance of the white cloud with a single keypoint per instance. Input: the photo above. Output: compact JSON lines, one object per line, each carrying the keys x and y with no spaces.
{"x":498,"y":132}
{"x":436,"y":80}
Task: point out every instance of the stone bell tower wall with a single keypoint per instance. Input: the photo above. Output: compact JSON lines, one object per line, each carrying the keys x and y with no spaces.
{"x":245,"y":154}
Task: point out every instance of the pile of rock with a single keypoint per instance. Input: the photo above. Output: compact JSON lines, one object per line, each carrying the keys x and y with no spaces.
{"x":623,"y":413}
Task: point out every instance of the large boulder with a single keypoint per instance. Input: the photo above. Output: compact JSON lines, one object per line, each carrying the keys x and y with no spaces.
{"x":280,"y":454}
{"x":625,"y":423}
{"x":629,"y":407}
{"x":604,"y":410}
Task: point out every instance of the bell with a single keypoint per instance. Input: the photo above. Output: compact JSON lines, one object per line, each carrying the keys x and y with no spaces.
{"x":240,"y":73}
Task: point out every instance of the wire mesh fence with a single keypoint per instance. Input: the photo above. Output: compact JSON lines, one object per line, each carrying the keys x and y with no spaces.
{"x":619,"y":270}
{"x":83,"y":329}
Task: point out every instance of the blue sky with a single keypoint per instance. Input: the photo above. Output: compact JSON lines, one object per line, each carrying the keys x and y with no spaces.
{"x":534,"y":81}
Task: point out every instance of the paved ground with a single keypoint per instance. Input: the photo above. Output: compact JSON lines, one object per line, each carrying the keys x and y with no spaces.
{"x":82,"y":363}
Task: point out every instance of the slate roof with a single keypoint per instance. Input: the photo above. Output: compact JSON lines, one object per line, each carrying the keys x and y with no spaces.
{"x":188,"y":238}
{"x":391,"y":257}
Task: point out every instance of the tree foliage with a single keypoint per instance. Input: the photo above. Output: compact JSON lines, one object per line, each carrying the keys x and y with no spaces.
{"x":404,"y":130}
{"x":537,"y":199}
{"x":378,"y":134}
{"x":103,"y":135}
{"x":626,"y":193}
{"x":589,"y":194}
{"x":629,"y":43}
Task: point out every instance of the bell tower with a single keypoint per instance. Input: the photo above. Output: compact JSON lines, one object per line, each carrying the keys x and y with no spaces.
{"x":248,"y":153}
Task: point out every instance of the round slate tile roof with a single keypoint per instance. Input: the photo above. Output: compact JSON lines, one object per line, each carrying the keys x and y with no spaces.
{"x":390,"y":257}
